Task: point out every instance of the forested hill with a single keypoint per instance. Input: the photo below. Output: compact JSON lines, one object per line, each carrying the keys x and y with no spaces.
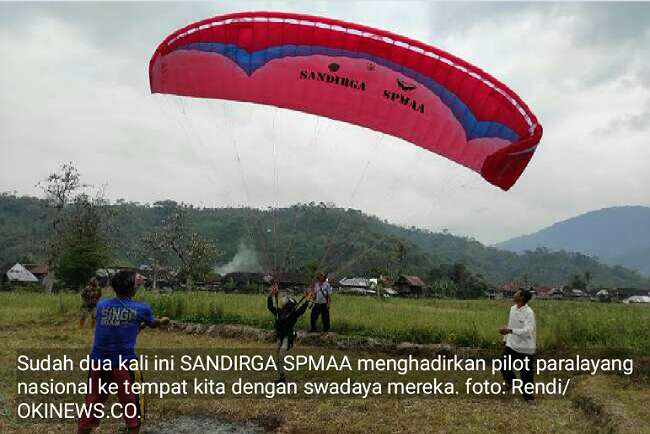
{"x":618,"y":235}
{"x":303,"y":236}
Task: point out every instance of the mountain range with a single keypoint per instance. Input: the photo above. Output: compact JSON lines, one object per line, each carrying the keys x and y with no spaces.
{"x":615,"y":236}
{"x":345,"y":241}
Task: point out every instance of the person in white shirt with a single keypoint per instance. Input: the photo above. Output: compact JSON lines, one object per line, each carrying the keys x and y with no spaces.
{"x":322,"y":292}
{"x":519,"y":338}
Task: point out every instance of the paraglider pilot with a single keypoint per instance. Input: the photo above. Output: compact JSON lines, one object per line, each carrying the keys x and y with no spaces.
{"x":286,"y":315}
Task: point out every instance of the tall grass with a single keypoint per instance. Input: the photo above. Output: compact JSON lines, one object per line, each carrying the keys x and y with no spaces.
{"x":474,"y":323}
{"x":23,"y":306}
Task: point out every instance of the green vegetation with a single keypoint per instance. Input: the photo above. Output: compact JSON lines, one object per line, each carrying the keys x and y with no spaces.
{"x":327,"y":415}
{"x":304,"y":236}
{"x":472,"y":323}
{"x":562,"y":325}
{"x":601,"y":404}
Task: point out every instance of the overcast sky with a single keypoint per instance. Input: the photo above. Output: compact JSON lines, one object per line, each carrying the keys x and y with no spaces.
{"x":74,"y":87}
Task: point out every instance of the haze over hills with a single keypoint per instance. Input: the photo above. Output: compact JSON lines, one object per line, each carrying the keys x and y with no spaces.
{"x":616,"y":236}
{"x":345,"y":241}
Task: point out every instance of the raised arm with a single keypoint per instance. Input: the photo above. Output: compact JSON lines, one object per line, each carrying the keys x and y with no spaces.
{"x":269,"y":305}
{"x":308,"y":298}
{"x":301,"y":310}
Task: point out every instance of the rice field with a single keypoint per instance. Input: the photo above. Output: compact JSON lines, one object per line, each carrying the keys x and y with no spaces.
{"x":604,"y":403}
{"x":609,"y":328}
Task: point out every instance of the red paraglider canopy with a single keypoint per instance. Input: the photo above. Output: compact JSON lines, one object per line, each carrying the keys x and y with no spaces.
{"x":357,"y":74}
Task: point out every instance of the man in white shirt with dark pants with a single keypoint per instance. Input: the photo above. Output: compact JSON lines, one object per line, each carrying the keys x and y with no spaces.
{"x":322,"y":293}
{"x":519,"y":338}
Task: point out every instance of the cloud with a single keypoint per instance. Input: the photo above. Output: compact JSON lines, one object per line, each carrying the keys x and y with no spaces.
{"x":639,"y":123}
{"x":74,"y":86}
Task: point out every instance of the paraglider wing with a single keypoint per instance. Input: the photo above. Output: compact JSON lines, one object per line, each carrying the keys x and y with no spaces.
{"x":356,"y":74}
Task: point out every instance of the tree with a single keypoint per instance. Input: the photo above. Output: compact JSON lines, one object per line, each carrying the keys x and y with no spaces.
{"x":577,"y":282}
{"x":154,"y":249}
{"x":59,"y":188}
{"x":456,"y":281}
{"x":196,"y":255}
{"x":400,"y":256}
{"x":309,"y":270}
{"x":459,"y":273}
{"x":79,"y":262}
{"x":84,"y":239}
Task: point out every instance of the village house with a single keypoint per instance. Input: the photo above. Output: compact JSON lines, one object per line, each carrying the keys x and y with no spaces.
{"x":356,"y":285}
{"x":545,"y":292}
{"x":410,"y":286}
{"x":40,"y":271}
{"x":576,"y":294}
{"x":383,"y":285}
{"x":507,"y":290}
{"x":15,"y":274}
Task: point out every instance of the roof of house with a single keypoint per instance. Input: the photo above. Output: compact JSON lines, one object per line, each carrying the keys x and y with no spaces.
{"x":545,"y":290}
{"x":37,"y":268}
{"x":357,"y":290}
{"x":18,"y":273}
{"x":355,"y":282}
{"x":413,"y":280}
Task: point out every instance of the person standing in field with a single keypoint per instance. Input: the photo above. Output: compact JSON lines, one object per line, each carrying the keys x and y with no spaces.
{"x":90,"y":296}
{"x":322,"y":295}
{"x":519,"y":337}
{"x":286,"y":316}
{"x":119,"y":321}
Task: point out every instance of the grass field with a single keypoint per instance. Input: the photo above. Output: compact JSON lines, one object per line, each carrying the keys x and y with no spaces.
{"x":597,"y":404}
{"x":562,"y":325}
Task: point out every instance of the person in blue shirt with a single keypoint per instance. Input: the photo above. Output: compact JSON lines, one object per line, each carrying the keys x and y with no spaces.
{"x":119,"y":321}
